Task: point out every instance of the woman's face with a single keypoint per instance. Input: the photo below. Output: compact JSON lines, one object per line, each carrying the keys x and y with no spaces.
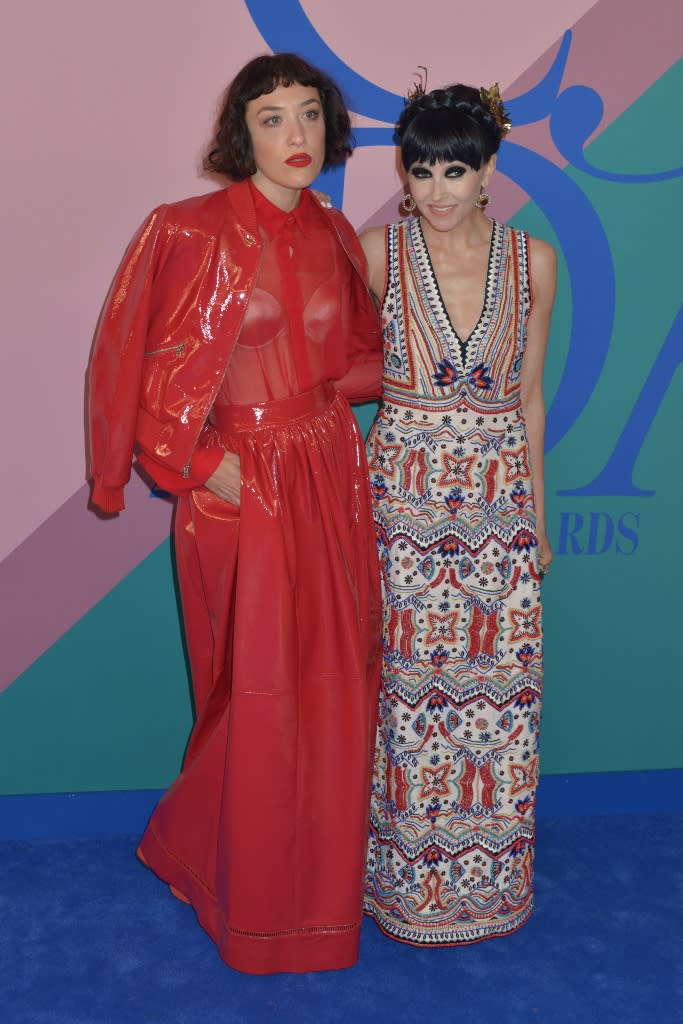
{"x":287,"y":129}
{"x":446,"y":193}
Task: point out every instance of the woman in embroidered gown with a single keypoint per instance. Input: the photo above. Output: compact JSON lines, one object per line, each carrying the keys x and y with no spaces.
{"x":456,"y":467}
{"x":229,"y":319}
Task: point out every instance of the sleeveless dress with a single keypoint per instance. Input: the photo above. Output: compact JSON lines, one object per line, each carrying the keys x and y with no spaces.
{"x":452,"y":809}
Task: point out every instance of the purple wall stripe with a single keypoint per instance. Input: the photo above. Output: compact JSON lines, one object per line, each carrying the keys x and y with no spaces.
{"x":66,"y":566}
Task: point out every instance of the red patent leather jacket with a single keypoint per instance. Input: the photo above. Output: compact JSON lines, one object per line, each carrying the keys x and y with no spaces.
{"x":168,"y":327}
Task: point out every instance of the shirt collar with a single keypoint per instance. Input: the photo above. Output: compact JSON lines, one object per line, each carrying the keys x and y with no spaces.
{"x":272,"y":219}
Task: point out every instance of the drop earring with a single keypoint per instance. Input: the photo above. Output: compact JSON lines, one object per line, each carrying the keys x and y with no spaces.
{"x":483,"y":200}
{"x":408,"y":203}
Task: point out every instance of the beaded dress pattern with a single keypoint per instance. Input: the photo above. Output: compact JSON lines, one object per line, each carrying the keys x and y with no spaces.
{"x":450,"y":856}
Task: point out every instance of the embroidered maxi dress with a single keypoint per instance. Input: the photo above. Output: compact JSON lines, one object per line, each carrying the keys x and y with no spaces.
{"x":452,"y":809}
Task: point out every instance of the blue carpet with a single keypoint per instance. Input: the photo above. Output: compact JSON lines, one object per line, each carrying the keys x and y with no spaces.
{"x":87,"y":936}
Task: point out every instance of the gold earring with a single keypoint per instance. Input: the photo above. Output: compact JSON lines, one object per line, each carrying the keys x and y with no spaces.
{"x":408,"y":203}
{"x":483,"y":200}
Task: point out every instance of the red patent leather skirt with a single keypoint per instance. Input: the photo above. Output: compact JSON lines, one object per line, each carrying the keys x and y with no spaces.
{"x":265,"y":830}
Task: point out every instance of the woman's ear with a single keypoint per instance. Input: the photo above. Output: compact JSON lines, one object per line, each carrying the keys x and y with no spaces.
{"x":489,"y":169}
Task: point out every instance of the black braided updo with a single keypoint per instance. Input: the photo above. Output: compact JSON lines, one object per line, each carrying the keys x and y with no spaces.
{"x":448,"y":124}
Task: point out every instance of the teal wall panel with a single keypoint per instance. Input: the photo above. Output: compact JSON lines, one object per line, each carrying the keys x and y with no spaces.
{"x":612,"y":605}
{"x":108,"y":706}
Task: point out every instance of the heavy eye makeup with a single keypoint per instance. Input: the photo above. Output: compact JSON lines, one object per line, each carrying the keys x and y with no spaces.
{"x":422,"y":171}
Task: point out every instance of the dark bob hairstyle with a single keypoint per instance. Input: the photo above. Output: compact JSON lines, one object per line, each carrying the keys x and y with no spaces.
{"x":446,"y":125}
{"x":231,"y":152}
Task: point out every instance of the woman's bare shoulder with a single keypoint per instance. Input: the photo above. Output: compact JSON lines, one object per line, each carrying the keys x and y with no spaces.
{"x":542,"y":253}
{"x":373,"y":240}
{"x":543,"y":266}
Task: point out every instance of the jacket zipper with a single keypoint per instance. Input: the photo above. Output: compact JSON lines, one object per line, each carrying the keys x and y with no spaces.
{"x":178,"y":349}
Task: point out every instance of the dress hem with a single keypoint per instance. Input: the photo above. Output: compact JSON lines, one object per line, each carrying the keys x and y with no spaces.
{"x":296,"y":950}
{"x":445,"y":943}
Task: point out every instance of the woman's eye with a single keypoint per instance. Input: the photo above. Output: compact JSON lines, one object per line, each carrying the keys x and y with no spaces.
{"x":312,"y":115}
{"x":421,"y":172}
{"x":455,"y":172}
{"x":275,"y":119}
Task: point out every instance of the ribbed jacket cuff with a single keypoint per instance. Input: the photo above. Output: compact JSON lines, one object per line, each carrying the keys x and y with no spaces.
{"x":108,"y":499}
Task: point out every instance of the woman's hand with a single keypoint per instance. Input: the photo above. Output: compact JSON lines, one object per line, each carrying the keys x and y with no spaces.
{"x":225,"y":480}
{"x":545,"y":554}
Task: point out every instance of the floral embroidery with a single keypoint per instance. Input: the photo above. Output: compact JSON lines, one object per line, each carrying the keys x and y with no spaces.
{"x":450,"y":854}
{"x":480,"y":378}
{"x":447,"y":375}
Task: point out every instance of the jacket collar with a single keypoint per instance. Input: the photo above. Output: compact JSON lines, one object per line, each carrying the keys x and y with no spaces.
{"x":239,"y":197}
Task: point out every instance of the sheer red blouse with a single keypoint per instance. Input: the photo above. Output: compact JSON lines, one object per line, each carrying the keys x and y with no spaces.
{"x":295,"y":333}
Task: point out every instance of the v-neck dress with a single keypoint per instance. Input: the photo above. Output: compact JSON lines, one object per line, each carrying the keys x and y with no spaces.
{"x":451,"y":847}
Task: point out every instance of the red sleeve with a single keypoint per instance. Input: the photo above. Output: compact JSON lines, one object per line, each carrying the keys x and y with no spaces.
{"x":362,"y":381}
{"x":203,"y":464}
{"x":116,"y":367}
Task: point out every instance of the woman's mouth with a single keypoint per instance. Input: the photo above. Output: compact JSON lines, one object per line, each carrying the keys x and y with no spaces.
{"x":299,"y":160}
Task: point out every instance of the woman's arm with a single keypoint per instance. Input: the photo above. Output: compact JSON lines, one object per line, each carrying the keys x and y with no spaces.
{"x":543,"y":276}
{"x":362,"y":381}
{"x":203,"y":464}
{"x":116,"y":366}
{"x":374,"y":247}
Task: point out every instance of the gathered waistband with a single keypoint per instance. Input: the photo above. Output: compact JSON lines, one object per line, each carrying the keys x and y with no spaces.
{"x":273,"y":414}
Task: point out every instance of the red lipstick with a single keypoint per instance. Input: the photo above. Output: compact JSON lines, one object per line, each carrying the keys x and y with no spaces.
{"x":299,"y":160}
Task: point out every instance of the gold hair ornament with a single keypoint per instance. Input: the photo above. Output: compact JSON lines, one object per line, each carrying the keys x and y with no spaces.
{"x":419,"y":86}
{"x":491,"y":97}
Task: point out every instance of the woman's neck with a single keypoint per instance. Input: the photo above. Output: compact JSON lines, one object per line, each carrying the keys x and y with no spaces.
{"x":472,"y":232}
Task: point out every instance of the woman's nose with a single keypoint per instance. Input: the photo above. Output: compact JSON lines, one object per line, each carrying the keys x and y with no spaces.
{"x":438,"y":190}
{"x":296,"y":131}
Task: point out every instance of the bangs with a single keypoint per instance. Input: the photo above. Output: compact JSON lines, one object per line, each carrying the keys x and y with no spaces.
{"x":269,"y":73}
{"x":444,"y":136}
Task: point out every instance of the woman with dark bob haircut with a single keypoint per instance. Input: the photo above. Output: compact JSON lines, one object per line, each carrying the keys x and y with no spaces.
{"x":237,"y":328}
{"x":232,"y":154}
{"x":456,"y":457}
